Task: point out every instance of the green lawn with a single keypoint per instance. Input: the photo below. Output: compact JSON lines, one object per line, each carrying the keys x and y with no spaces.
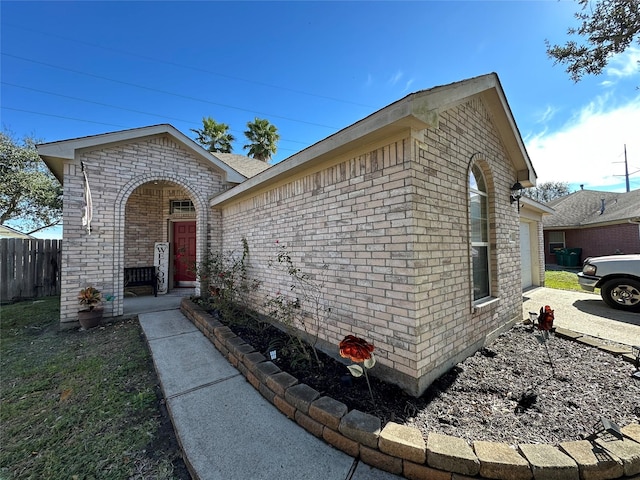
{"x":79,"y":404}
{"x":562,"y":280}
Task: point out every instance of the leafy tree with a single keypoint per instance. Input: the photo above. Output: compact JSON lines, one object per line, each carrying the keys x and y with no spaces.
{"x":263,"y":137}
{"x":607,"y":27}
{"x":547,"y":191}
{"x":214,"y":136}
{"x":29,"y":193}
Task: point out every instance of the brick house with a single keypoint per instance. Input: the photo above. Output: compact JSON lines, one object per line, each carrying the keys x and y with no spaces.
{"x":599,"y":223}
{"x":409,"y":208}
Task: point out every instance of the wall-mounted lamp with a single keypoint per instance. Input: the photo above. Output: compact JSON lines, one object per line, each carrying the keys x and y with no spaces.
{"x":516,"y":194}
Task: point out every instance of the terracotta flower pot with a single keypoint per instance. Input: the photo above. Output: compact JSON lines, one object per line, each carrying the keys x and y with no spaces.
{"x":90,"y":318}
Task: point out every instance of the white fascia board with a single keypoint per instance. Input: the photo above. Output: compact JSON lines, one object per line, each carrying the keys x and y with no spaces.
{"x":401,"y":115}
{"x":66,"y":149}
{"x":536,"y":206}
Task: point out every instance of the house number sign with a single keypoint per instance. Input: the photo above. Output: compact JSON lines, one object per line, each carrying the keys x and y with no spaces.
{"x":161,"y":261}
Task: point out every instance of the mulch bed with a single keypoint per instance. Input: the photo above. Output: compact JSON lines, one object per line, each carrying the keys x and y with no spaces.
{"x":507,"y":392}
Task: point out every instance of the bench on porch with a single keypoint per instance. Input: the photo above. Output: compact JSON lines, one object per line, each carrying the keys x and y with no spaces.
{"x":139,"y":276}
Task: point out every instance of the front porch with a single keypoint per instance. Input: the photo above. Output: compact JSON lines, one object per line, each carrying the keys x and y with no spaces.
{"x":148,"y":303}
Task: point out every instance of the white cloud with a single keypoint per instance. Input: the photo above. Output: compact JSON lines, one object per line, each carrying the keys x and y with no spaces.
{"x":407,"y":85}
{"x":369,"y":81}
{"x":624,"y":65}
{"x":547,"y":115}
{"x":396,"y":78}
{"x":587,"y":148}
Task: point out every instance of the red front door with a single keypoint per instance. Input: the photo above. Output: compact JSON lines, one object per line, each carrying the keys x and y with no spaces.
{"x":184,"y":241}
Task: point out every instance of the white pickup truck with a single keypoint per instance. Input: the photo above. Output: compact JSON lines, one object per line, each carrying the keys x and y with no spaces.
{"x":617,"y":277}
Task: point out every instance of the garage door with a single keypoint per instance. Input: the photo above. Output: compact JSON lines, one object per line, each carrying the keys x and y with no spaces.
{"x":525,"y":255}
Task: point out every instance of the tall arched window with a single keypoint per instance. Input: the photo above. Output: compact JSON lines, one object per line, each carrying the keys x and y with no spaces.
{"x":478,"y":200}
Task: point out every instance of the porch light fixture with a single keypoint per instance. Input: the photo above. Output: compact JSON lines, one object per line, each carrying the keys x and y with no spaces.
{"x":516,"y":194}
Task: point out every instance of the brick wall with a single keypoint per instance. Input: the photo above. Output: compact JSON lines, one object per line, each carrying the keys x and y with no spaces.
{"x":118,"y":174}
{"x":598,"y":241}
{"x":143,"y":213}
{"x":448,"y":325}
{"x":391,"y":224}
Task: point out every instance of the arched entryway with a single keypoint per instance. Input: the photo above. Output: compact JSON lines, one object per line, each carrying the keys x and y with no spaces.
{"x":152,"y":211}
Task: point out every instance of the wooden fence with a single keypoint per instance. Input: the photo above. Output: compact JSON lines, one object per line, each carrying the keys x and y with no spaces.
{"x":29,"y":268}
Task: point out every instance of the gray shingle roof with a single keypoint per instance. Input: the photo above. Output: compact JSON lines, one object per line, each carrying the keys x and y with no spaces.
{"x":249,"y":167}
{"x":584,"y":208}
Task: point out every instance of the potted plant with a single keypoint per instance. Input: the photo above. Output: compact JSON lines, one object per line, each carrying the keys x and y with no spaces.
{"x":91,"y":315}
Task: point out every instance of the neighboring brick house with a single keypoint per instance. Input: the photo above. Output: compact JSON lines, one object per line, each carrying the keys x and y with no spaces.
{"x":409,"y":208}
{"x":599,"y":223}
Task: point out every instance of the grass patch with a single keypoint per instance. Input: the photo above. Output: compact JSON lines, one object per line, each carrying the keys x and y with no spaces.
{"x":563,"y":281}
{"x":79,"y":404}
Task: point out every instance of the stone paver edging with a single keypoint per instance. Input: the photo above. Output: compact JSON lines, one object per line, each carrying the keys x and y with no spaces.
{"x":402,"y":450}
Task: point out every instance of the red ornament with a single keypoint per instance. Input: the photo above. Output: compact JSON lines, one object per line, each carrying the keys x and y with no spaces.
{"x":356,"y":349}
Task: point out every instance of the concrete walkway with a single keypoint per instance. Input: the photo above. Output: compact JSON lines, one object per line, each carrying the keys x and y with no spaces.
{"x":227,"y":430}
{"x":585,"y":313}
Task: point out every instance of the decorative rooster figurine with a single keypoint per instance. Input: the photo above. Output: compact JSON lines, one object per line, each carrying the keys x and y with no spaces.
{"x":545,"y":320}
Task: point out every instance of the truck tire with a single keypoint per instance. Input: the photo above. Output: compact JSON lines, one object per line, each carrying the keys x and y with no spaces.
{"x":622,"y":293}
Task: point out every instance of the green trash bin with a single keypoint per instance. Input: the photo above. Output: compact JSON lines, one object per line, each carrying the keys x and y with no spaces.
{"x":561,"y":257}
{"x":572,"y":257}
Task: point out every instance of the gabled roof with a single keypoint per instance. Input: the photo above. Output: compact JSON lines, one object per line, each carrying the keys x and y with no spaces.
{"x":55,"y":154}
{"x":415,"y":111}
{"x":587,"y":208}
{"x":8,"y":232}
{"x":249,"y":167}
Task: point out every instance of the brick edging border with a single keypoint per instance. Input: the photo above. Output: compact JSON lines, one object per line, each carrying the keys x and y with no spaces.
{"x":402,"y":450}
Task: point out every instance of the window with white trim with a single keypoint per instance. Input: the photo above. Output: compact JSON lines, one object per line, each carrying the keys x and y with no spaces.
{"x":479,"y":207}
{"x":181,"y":206}
{"x":556,"y":241}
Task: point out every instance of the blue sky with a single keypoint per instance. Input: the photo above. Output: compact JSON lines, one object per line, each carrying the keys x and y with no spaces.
{"x":71,"y":69}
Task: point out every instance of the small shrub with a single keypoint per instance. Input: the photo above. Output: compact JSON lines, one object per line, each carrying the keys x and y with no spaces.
{"x":225,"y":281}
{"x":303,"y":308}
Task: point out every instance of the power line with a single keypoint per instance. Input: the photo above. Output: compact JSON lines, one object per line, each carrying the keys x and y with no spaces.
{"x":165,"y":117}
{"x":253,"y":112}
{"x":189,"y":67}
{"x":97,"y":103}
{"x":131,"y":110}
{"x":98,"y":123}
{"x":62,"y":116}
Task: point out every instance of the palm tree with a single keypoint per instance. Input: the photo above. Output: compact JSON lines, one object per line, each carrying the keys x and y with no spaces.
{"x":214,"y":136}
{"x":263,"y":137}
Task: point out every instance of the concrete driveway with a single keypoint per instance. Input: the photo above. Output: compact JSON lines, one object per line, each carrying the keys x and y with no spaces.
{"x":585,"y":313}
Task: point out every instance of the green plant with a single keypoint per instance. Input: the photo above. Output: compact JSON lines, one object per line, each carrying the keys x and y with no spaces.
{"x":303,"y":308}
{"x":226,"y":281}
{"x":91,"y":297}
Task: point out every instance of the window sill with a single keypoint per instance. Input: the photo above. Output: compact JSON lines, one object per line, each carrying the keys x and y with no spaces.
{"x":485,"y":305}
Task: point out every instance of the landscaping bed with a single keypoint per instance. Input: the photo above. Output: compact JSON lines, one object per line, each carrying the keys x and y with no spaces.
{"x":507,"y":392}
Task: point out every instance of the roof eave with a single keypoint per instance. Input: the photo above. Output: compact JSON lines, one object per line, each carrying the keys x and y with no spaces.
{"x":580,"y":226}
{"x":414,"y":112}
{"x":536,"y":206}
{"x":401,"y":116}
{"x":54,"y":154}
